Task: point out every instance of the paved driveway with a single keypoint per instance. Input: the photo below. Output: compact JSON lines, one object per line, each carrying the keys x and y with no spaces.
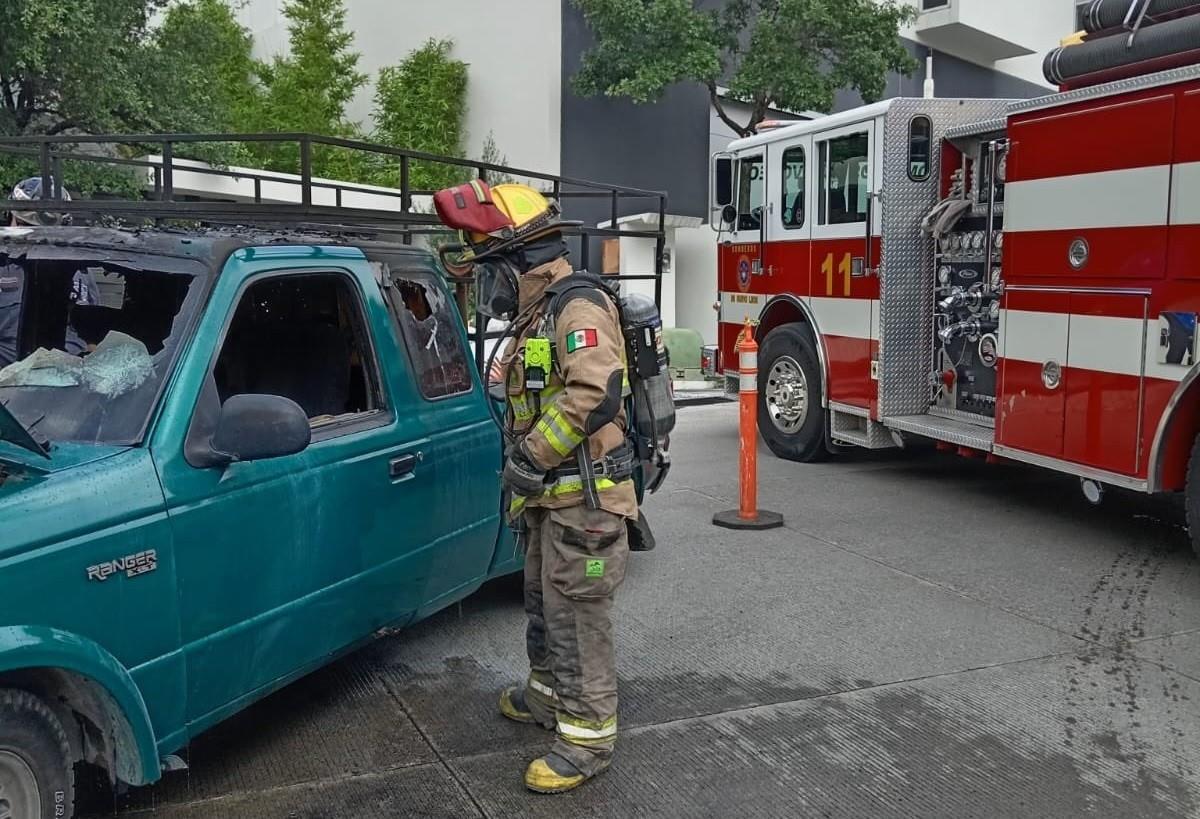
{"x":928,"y":637}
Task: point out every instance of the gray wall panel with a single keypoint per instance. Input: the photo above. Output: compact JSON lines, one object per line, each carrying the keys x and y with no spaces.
{"x":663,"y":145}
{"x":953,"y":78}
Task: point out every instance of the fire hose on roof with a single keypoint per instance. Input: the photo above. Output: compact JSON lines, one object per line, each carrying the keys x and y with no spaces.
{"x":1156,"y":48}
{"x":1099,"y":15}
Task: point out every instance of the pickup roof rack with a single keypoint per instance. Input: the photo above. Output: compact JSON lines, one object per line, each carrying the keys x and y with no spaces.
{"x":296,"y":202}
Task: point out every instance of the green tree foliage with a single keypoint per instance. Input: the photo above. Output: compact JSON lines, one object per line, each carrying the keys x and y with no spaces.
{"x":73,"y":65}
{"x":96,"y":66}
{"x":420,"y":104}
{"x":204,"y":55}
{"x":309,"y":88}
{"x":794,"y":54}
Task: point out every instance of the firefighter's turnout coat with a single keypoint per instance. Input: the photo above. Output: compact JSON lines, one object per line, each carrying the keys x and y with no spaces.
{"x":584,"y":393}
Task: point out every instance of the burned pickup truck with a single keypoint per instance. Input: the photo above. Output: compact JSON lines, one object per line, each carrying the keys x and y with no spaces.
{"x":242,"y":454}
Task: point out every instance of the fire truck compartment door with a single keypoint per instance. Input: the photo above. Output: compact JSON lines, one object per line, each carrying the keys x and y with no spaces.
{"x":1089,"y":190}
{"x":1106,"y":363}
{"x":1031,"y":399}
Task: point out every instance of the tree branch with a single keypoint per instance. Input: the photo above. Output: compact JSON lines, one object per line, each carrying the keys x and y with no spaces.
{"x":759,"y":112}
{"x":24,"y":110}
{"x":65,"y":125}
{"x":715,"y":99}
{"x":6,"y":94}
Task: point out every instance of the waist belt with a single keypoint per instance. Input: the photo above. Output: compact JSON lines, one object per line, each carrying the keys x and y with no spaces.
{"x":617,"y":466}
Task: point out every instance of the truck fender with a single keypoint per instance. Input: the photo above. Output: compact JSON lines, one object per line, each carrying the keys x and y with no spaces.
{"x":1177,"y":429}
{"x":789,"y":309}
{"x":109,"y":686}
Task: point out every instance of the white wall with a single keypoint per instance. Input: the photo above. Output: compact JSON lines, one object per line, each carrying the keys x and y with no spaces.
{"x":695,"y":264}
{"x":514,"y":50}
{"x":1036,"y":24}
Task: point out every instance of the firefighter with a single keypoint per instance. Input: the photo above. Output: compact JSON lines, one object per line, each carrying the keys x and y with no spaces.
{"x":568,"y":466}
{"x":84,"y":290}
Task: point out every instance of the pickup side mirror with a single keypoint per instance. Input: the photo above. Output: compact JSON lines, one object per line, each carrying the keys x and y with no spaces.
{"x":256,"y":427}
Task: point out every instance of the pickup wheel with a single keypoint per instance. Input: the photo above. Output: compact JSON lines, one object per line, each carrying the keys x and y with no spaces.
{"x":36,"y":773}
{"x":790,"y":416}
{"x":1191,"y":500}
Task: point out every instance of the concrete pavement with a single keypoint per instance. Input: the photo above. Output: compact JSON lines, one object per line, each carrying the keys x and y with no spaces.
{"x":927,"y":637}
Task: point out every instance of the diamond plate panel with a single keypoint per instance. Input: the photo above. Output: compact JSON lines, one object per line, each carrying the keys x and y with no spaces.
{"x":943,"y":429}
{"x":1190,"y":72}
{"x":906,"y":267}
{"x":852,"y":428}
{"x":976,"y":128}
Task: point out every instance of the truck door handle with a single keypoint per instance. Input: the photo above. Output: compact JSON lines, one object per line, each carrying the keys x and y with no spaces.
{"x":403,"y":465}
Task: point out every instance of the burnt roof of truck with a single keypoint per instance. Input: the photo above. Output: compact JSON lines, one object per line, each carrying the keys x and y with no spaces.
{"x":208,"y":246}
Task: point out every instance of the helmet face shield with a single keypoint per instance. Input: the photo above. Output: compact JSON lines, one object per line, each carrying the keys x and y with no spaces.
{"x":496,"y":288}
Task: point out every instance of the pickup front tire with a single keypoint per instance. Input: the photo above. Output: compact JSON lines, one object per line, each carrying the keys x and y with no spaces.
{"x":36,"y":771}
{"x":790,"y":413}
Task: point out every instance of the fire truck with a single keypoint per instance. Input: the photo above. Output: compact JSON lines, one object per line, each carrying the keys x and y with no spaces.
{"x":1015,"y":280}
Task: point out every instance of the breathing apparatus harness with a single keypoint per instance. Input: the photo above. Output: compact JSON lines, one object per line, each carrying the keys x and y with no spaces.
{"x":649,"y":406}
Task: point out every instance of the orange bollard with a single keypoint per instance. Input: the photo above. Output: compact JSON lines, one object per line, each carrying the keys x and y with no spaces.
{"x":748,"y":515}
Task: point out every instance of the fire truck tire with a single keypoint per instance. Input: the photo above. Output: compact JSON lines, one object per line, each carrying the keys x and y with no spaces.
{"x":1192,"y":496}
{"x":790,"y":414}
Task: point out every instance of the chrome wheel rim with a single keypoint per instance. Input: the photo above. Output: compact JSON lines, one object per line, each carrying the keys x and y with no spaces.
{"x":787,"y":395}
{"x":19,"y":796}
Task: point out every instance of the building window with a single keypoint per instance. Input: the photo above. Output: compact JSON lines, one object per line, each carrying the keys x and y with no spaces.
{"x":750,"y":193}
{"x":845,"y":180}
{"x":930,"y":5}
{"x":920,"y":148}
{"x":793,"y":188}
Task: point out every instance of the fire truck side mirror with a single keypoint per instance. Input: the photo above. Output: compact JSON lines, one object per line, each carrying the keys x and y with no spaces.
{"x":729,"y":214}
{"x":723,"y":182}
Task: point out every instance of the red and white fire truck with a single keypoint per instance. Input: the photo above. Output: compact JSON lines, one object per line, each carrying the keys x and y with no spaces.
{"x":1013,"y":279}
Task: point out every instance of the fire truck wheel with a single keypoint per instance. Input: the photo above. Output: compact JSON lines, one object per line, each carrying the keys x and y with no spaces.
{"x":1192,"y":496}
{"x":790,"y":416}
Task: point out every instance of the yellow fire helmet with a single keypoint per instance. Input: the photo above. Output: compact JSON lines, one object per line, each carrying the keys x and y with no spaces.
{"x":492,"y":220}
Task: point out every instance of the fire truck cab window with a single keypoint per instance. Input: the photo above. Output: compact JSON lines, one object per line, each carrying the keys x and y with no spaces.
{"x":845,"y":180}
{"x":920,"y":148}
{"x":750,"y":193}
{"x":793,"y":188}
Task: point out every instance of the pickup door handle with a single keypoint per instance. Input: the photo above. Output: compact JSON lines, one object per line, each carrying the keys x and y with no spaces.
{"x":403,"y":465}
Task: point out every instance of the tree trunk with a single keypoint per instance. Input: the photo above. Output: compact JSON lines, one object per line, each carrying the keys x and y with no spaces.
{"x":758,"y":113}
{"x":715,"y":99}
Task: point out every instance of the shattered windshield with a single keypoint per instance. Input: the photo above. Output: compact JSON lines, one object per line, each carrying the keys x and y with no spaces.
{"x":85,"y":345}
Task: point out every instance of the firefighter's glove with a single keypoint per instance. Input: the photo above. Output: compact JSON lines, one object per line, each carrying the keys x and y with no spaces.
{"x":521,"y":475}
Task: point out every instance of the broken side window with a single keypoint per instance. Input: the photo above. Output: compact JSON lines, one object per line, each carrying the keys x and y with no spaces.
{"x":430,"y":326}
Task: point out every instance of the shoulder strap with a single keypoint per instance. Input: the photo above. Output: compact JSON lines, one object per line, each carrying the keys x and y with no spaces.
{"x":580,"y":285}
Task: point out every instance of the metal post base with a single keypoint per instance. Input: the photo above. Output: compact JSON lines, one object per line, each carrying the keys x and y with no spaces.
{"x":763,"y":520}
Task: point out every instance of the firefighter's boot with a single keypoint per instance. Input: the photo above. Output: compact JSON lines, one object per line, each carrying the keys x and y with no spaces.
{"x":513,"y":706}
{"x":554,"y":774}
{"x":533,"y":703}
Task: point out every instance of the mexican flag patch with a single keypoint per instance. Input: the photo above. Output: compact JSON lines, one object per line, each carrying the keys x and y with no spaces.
{"x":580,"y":339}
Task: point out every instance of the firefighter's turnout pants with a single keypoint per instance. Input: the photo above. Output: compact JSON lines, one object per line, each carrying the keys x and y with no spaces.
{"x":574,"y":561}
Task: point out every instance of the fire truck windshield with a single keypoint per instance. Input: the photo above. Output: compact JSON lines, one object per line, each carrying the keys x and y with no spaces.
{"x":750,"y":193}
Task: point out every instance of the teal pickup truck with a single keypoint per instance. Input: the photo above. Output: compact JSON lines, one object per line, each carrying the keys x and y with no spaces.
{"x":225,"y":458}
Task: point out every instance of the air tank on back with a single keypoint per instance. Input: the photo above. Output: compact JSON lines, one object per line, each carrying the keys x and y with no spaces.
{"x":653,"y":400}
